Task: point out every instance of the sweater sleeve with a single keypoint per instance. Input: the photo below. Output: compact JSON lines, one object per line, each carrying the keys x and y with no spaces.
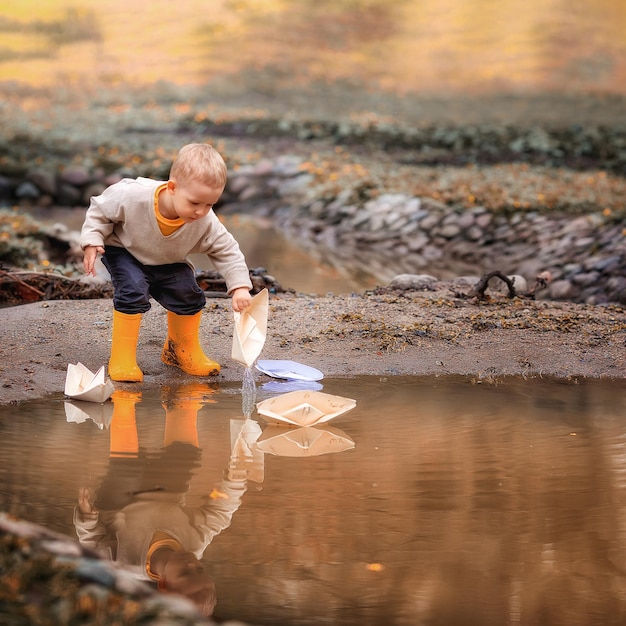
{"x":103,"y":213}
{"x":92,"y":533}
{"x":216,"y":514}
{"x":228,"y":259}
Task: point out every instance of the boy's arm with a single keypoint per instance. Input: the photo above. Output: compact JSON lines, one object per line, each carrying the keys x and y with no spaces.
{"x":215,"y":514}
{"x":224,"y":252}
{"x":90,"y":530}
{"x":103,"y":213}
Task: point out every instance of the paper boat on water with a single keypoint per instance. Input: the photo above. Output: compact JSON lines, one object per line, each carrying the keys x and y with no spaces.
{"x":306,"y":441}
{"x":305,"y":408}
{"x":82,"y":384}
{"x":78,"y":412}
{"x":289,"y":370}
{"x":250,"y":330}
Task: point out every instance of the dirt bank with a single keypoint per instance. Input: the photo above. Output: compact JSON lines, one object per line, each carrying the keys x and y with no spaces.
{"x":418,"y":333}
{"x":380,"y":333}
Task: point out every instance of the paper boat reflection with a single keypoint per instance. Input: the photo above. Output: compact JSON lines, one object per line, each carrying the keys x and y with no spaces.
{"x":78,"y":412}
{"x":82,"y":384}
{"x":306,"y":441}
{"x":305,"y":408}
{"x":245,"y":455}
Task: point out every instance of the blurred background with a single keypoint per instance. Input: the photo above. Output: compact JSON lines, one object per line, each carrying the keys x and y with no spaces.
{"x":405,"y":48}
{"x":112,"y":87}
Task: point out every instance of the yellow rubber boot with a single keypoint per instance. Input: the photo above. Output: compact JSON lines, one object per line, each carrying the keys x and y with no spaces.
{"x":124,"y":441}
{"x":182,"y":347}
{"x":123,"y":362}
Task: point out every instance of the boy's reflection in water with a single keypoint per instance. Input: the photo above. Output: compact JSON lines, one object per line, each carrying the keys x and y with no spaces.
{"x":138,"y":515}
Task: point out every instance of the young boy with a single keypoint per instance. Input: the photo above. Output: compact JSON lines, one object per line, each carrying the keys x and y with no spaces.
{"x":145,"y":230}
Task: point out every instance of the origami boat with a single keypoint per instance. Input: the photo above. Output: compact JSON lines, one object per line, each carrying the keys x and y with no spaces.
{"x":305,"y":408}
{"x":82,"y":384}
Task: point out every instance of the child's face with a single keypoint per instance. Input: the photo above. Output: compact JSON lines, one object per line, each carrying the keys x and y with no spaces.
{"x":185,"y":574}
{"x":193,"y":199}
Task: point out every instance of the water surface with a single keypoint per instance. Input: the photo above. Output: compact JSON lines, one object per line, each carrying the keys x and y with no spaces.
{"x":452,"y":502}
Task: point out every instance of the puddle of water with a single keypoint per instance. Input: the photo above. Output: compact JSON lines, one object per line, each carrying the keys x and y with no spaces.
{"x":451,"y":502}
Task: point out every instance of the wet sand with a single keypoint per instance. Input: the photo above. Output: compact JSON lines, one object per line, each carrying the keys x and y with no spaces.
{"x":412,"y":333}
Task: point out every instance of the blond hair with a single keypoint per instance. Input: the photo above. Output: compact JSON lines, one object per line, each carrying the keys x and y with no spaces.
{"x":199,"y":162}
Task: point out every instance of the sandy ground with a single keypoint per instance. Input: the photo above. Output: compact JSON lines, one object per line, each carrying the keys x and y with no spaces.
{"x":387,"y":333}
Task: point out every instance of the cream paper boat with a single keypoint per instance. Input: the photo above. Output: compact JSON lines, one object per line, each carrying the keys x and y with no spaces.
{"x":305,"y":441}
{"x":250,"y":330}
{"x":305,"y":408}
{"x":82,"y":384}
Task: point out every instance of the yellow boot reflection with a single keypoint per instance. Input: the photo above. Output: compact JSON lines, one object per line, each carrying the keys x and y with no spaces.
{"x":124,"y":440}
{"x":181,"y":406}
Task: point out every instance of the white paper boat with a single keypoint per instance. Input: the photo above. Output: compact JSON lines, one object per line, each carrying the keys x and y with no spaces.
{"x":306,"y":441}
{"x":82,"y":384}
{"x":305,"y":408}
{"x":250,"y":330}
{"x":289,"y":370}
{"x":78,"y":412}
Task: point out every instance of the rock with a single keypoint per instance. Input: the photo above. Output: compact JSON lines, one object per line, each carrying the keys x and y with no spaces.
{"x":6,"y":188}
{"x":27,"y":191}
{"x":77,"y":176}
{"x":519,"y":283}
{"x":466,"y":280}
{"x":44,"y":180}
{"x":560,"y":290}
{"x":69,"y":195}
{"x":449,"y":231}
{"x":412,"y":281}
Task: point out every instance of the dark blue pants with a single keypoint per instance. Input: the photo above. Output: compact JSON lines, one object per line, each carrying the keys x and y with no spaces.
{"x":173,"y":285}
{"x":169,"y":470}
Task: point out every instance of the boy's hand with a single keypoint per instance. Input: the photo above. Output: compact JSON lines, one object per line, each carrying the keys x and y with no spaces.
{"x":241,"y":299}
{"x":89,"y":260}
{"x":86,"y":502}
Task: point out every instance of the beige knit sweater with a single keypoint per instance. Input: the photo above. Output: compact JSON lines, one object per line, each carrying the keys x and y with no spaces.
{"x":123,"y":215}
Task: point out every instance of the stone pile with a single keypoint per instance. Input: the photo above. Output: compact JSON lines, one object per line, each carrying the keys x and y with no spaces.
{"x":398,"y":234}
{"x":394,"y":234}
